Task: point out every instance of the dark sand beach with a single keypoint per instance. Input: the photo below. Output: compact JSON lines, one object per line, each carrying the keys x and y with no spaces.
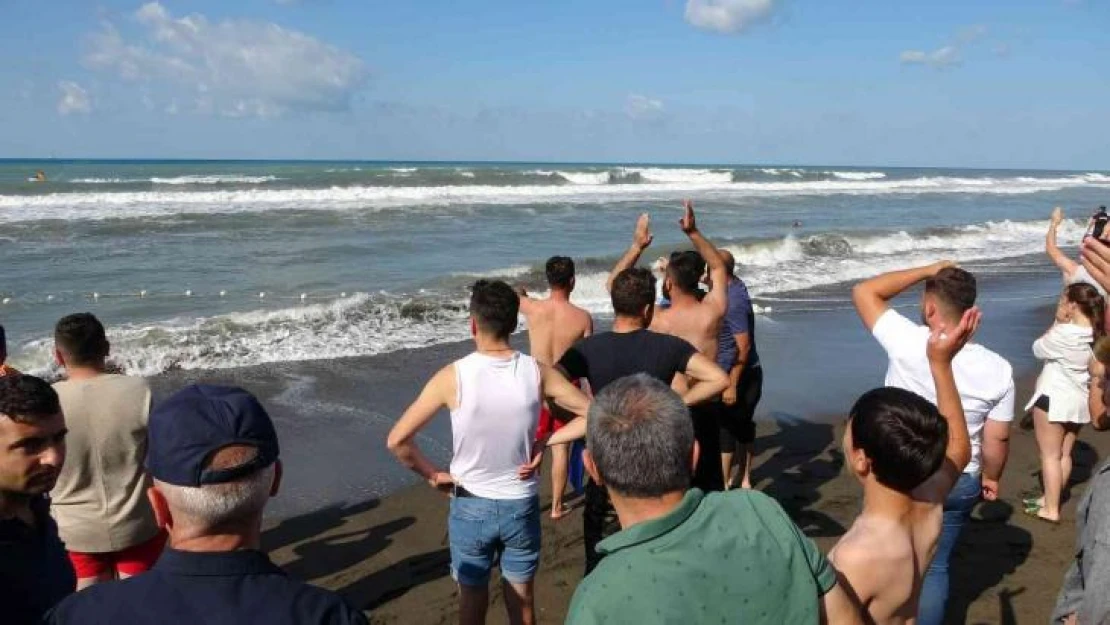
{"x":349,"y":518}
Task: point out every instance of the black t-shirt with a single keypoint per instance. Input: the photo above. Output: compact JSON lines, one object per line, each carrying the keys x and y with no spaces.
{"x":35,"y":572}
{"x":603,"y":358}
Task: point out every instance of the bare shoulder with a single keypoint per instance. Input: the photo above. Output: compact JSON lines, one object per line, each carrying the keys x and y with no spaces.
{"x":871,"y":554}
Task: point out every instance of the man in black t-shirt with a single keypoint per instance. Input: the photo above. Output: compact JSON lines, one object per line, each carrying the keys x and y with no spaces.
{"x":628,"y":349}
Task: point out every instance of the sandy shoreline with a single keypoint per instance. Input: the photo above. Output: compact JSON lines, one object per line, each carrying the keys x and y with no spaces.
{"x":390,"y":555}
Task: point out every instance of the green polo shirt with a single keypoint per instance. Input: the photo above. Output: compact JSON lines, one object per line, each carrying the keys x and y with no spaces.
{"x":724,"y":558}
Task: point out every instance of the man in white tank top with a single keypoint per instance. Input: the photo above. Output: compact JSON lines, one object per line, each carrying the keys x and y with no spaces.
{"x":494,"y":396}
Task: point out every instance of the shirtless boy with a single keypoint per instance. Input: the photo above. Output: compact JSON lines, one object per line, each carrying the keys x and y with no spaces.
{"x":696,"y":320}
{"x":554,"y":324}
{"x":908,"y":454}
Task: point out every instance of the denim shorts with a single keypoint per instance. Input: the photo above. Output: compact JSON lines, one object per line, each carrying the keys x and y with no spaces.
{"x":484,"y":532}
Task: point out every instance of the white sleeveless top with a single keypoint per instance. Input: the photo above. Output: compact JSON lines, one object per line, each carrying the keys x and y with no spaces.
{"x":494,"y":426}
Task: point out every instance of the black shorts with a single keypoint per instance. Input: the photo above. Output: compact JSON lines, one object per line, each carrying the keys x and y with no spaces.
{"x":737,"y":422}
{"x":707,"y":474}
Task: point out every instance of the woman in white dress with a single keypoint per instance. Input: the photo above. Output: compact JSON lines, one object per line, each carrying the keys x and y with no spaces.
{"x":1059,"y":403}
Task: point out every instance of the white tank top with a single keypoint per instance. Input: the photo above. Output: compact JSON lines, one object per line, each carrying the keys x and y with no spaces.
{"x":494,"y":426}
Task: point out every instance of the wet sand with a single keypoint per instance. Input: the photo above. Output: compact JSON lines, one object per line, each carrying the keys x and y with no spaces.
{"x":390,"y":556}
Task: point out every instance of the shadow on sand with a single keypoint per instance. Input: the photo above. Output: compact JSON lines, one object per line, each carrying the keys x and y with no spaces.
{"x":803,"y":458}
{"x":330,"y":541}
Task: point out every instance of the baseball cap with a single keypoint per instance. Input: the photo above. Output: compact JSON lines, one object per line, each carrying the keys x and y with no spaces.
{"x":190,"y":426}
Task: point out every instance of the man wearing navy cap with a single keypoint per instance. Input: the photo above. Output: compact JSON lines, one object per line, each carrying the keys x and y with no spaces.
{"x":213,"y":454}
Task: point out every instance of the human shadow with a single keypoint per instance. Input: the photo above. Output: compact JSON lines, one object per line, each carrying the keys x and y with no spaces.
{"x":804,"y":459}
{"x":989,"y":549}
{"x":385,"y":585}
{"x":322,"y":551}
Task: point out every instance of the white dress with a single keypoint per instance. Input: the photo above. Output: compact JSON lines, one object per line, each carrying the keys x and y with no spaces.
{"x":1066,"y":352}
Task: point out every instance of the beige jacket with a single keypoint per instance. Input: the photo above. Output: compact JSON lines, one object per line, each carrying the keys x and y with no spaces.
{"x":100,"y":500}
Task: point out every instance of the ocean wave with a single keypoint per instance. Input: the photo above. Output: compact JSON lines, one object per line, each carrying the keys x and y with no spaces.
{"x":857,"y":175}
{"x":134,"y":204}
{"x":181,"y":180}
{"x":367,"y":324}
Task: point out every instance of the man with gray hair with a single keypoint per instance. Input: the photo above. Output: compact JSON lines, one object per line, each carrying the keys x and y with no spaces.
{"x":213,"y":454}
{"x":684,"y":556}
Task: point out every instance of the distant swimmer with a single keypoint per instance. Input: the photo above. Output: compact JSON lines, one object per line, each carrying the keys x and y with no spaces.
{"x":40,"y":176}
{"x":797,"y":224}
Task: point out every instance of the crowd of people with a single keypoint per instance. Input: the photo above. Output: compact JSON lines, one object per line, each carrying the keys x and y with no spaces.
{"x":116,"y":511}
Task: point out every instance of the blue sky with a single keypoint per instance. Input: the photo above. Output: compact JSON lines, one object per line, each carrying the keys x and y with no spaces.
{"x":1019,"y":83}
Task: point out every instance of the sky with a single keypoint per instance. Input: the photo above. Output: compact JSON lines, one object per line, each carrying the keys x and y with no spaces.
{"x":984,"y":83}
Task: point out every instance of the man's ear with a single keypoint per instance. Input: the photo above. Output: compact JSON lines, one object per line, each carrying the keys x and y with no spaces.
{"x":59,"y":358}
{"x":473,"y":327}
{"x":591,"y":468}
{"x":278,"y":472}
{"x":161,"y":508}
{"x":694,"y":455}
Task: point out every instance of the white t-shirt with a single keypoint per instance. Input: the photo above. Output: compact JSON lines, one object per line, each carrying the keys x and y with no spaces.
{"x":984,"y":379}
{"x":494,"y":426}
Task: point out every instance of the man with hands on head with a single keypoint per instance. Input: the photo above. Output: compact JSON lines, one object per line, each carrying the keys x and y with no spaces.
{"x":985,"y":383}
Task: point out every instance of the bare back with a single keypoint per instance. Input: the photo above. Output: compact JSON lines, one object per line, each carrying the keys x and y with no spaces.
{"x":884,"y":560}
{"x":698,"y":323}
{"x":555,"y":325}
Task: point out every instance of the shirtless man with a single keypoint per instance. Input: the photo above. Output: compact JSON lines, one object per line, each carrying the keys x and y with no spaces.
{"x":696,"y":320}
{"x":908,"y":454}
{"x":554,"y":324}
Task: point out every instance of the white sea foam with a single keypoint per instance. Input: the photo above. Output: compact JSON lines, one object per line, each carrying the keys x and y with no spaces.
{"x":365,"y":324}
{"x":858,"y":175}
{"x":675,"y":175}
{"x":91,"y":206}
{"x":774,"y":171}
{"x":582,"y":177}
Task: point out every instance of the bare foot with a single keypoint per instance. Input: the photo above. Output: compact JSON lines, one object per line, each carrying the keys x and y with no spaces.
{"x":560,"y":511}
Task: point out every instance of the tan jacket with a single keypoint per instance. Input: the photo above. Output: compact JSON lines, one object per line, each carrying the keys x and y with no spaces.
{"x":100,"y":500}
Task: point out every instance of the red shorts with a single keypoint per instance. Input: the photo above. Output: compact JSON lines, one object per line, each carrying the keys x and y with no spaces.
{"x":549,"y":424}
{"x":130,"y":561}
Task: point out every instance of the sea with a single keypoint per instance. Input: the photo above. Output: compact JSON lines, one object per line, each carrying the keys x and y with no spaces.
{"x":214,"y":264}
{"x":334,"y":289}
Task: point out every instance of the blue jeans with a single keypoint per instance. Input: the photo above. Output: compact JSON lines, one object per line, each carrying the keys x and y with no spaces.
{"x":957,"y":510}
{"x":483,"y":531}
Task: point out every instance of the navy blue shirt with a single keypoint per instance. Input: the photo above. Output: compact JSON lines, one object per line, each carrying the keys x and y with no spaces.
{"x":739,"y":319}
{"x":222,"y":588}
{"x":35,"y":572}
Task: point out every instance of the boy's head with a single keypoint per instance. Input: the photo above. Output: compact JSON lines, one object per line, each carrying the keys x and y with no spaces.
{"x":80,"y":341}
{"x":493,"y":309}
{"x":896,"y":437}
{"x":560,"y":273}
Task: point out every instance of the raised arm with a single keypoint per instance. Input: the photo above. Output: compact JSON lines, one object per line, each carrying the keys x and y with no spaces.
{"x":527,"y":304}
{"x":437,"y":394}
{"x":1066,"y":265}
{"x":944,"y":344}
{"x":718,"y":295}
{"x":641,"y":239}
{"x":707,"y":380}
{"x":871,"y":297}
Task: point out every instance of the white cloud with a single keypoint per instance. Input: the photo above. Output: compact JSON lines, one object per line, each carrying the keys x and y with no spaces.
{"x":642,"y":107}
{"x":234,"y":67}
{"x":939,"y":58}
{"x":948,"y":55}
{"x":74,"y":98}
{"x":727,"y":16}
